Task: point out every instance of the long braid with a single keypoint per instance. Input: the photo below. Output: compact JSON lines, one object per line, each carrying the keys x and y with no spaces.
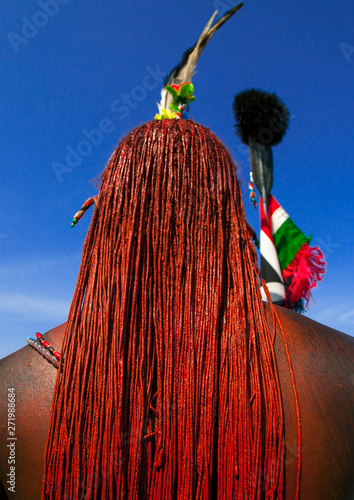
{"x":169,"y":388}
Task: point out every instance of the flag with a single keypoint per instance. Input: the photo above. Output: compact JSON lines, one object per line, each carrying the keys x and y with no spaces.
{"x":290,"y":267}
{"x":270,"y":267}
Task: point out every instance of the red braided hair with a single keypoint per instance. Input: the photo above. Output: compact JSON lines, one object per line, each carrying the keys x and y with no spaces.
{"x":169,"y":388}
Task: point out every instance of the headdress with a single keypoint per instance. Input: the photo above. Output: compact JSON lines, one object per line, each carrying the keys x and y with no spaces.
{"x":289,"y":266}
{"x":169,"y":385}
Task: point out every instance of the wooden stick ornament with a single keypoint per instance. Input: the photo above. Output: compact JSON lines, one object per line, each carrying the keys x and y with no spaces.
{"x":289,"y":266}
{"x":88,"y":203}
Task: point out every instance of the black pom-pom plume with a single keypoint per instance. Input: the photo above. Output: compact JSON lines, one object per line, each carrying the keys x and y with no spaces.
{"x":260,"y":116}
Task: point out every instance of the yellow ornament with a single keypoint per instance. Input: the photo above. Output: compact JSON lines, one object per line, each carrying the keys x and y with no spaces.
{"x":166,"y":114}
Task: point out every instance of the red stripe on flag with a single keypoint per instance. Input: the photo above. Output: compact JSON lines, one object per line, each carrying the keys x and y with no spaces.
{"x":272,"y":205}
{"x":264,"y":223}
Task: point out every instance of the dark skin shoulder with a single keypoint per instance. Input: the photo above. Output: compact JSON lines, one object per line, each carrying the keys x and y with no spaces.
{"x":323,"y":365}
{"x":33,"y":379}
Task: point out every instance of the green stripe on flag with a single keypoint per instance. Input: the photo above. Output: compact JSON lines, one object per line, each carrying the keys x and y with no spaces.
{"x":288,"y":240}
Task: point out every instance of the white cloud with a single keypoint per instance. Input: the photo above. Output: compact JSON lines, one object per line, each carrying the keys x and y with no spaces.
{"x":347,"y":317}
{"x":43,"y":269}
{"x":28,"y":306}
{"x":335,"y":311}
{"x":35,"y":295}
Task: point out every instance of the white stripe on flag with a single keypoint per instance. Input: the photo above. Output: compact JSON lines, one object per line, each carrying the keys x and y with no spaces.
{"x":279,"y":216}
{"x":269,"y":253}
{"x":276,"y":291}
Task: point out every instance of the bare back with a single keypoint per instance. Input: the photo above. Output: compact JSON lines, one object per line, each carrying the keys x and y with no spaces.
{"x":322,"y":360}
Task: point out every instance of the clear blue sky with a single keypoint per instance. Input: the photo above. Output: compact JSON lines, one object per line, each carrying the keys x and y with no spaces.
{"x":70,"y":67}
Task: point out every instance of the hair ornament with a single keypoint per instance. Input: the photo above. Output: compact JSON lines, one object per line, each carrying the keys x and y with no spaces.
{"x":182,"y":96}
{"x":83,"y":210}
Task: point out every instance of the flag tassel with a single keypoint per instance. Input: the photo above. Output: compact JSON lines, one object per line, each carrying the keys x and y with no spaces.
{"x":287,"y":259}
{"x":306,"y":269}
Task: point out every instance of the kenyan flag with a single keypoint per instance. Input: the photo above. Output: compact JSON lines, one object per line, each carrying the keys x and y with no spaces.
{"x":286,"y":258}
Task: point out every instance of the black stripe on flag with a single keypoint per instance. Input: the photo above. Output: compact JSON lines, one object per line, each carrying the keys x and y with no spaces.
{"x":268,"y":272}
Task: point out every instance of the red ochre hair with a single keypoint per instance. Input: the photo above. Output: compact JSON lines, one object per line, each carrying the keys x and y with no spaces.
{"x":169,"y":388}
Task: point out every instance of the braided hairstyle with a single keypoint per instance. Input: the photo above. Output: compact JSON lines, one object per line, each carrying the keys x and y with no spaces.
{"x":169,"y":387}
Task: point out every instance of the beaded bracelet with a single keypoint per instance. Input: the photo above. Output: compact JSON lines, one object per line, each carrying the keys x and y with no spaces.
{"x":45,"y":349}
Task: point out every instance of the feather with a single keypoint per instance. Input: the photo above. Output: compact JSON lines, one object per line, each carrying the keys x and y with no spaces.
{"x":184,"y":71}
{"x":261,"y":158}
